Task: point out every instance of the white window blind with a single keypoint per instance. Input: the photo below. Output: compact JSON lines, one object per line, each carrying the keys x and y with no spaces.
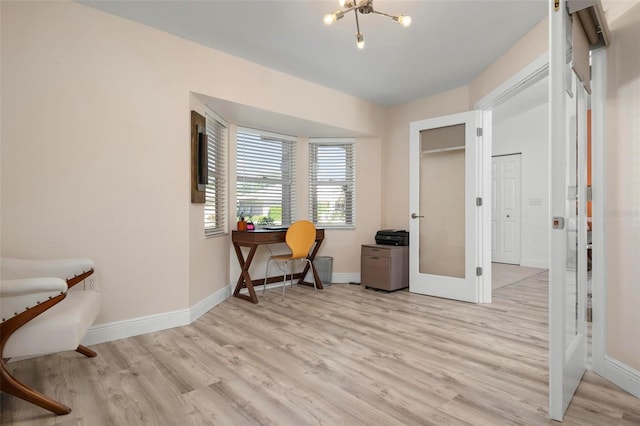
{"x":332,"y":182}
{"x":215,"y":195}
{"x":266,"y":168}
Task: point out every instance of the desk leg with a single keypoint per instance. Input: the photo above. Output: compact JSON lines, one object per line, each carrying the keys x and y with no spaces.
{"x":245,"y":279}
{"x":306,"y":268}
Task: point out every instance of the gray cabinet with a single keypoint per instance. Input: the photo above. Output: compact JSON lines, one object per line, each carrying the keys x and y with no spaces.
{"x":384,"y":267}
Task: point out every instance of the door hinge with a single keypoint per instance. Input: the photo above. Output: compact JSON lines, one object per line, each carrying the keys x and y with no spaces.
{"x":478,"y":201}
{"x":589,"y":193}
{"x":479,"y":131}
{"x":478,"y":271}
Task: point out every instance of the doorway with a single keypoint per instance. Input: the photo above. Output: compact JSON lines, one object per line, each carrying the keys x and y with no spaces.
{"x":520,"y":156}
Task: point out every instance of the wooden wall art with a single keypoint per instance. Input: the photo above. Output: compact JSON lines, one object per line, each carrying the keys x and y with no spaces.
{"x":199,"y":160}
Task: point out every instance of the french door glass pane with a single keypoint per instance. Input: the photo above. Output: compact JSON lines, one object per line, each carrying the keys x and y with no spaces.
{"x":442,"y":201}
{"x":571,"y":271}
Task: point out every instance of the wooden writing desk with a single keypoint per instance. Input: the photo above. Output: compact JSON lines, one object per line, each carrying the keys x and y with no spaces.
{"x":253,"y":239}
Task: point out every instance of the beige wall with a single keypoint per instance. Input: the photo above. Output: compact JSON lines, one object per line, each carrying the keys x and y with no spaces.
{"x":395,"y":167}
{"x":95,"y":154}
{"x":529,"y":48}
{"x":395,"y":202}
{"x":622,"y":211}
{"x":208,"y":269}
{"x":95,"y":150}
{"x":112,"y":159}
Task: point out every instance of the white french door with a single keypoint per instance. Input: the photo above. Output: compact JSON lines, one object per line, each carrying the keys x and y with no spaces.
{"x":447,"y":223}
{"x":568,"y":252}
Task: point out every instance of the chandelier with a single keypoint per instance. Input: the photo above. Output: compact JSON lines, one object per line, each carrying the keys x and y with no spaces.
{"x":364,"y":7}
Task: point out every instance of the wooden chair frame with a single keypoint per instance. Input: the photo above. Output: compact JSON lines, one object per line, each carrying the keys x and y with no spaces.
{"x":13,"y":386}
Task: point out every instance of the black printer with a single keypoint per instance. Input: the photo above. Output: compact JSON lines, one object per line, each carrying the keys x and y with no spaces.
{"x":392,"y":237}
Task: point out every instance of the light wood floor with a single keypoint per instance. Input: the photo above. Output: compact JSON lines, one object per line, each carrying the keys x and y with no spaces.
{"x":342,"y":356}
{"x":504,"y":274}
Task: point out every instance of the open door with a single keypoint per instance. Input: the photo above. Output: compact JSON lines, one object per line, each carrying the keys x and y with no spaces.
{"x":568,"y":251}
{"x":446,"y":244}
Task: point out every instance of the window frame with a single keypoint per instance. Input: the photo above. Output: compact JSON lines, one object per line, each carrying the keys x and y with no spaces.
{"x":216,"y":194}
{"x":349,"y":181}
{"x":287,"y":171}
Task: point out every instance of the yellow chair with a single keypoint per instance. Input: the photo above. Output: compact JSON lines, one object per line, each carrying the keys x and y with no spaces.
{"x":300,"y":237}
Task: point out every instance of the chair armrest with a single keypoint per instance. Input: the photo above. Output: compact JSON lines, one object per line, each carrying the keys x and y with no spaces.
{"x":17,"y":296}
{"x":12,"y":268}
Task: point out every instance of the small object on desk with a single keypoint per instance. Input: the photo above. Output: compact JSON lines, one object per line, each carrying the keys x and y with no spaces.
{"x":250,"y":226}
{"x":242,"y":225}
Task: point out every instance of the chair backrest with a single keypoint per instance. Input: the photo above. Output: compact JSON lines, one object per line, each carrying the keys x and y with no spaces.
{"x":300,"y":238}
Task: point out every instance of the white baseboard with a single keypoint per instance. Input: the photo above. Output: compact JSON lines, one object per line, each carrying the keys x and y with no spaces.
{"x":345,"y":277}
{"x":622,"y":375}
{"x":258,"y":288}
{"x":337,"y":278}
{"x":534,"y":263}
{"x":209,"y":302}
{"x":341,"y":277}
{"x":134,"y":327}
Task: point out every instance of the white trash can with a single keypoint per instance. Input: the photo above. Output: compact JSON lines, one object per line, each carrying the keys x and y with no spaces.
{"x":324,"y":266}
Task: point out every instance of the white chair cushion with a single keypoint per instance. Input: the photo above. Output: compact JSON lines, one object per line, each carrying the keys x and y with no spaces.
{"x":58,"y":329}
{"x":16,"y":296}
{"x":12,"y":268}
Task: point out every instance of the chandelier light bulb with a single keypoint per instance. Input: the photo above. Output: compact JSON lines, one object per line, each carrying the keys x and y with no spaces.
{"x":403,"y":20}
{"x":333,"y":17}
{"x":330,"y":18}
{"x":364,"y":7}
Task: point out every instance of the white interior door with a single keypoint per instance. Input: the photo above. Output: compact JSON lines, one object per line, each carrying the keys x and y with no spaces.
{"x":568,"y":259}
{"x":446,"y":245}
{"x":505,"y":208}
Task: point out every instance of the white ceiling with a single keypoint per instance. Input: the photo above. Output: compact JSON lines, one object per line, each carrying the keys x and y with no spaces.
{"x":448,"y":44}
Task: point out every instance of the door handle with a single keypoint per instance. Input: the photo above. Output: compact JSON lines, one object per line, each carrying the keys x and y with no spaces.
{"x":508,"y":216}
{"x":415,"y":216}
